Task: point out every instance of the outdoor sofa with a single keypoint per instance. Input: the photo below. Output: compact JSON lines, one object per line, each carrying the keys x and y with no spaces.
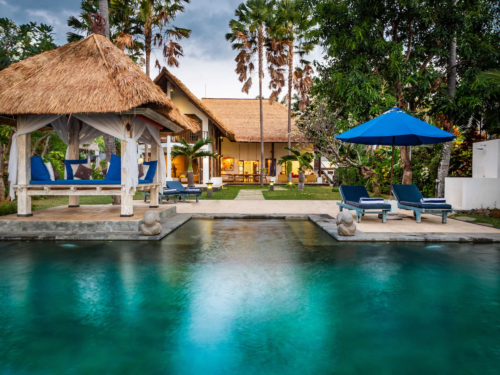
{"x":184,"y":192}
{"x":410,"y":198}
{"x":357,"y":198}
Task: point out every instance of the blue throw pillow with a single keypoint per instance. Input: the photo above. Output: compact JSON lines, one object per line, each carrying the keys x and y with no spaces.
{"x":152,"y":169}
{"x":39,"y":171}
{"x":115,"y":169}
{"x":69,"y":170}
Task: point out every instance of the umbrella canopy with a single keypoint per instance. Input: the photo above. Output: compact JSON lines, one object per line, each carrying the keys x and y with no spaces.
{"x":396,"y":128}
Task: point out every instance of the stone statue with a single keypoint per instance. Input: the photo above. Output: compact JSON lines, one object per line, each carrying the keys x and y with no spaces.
{"x":345,"y":224}
{"x":151,"y":224}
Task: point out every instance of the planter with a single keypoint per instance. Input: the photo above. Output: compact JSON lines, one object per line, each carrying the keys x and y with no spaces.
{"x":495,"y":213}
{"x":394,"y":205}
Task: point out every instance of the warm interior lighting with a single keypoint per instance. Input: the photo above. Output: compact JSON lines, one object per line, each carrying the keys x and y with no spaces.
{"x":141,"y":160}
{"x":209,"y":185}
{"x":271,"y":183}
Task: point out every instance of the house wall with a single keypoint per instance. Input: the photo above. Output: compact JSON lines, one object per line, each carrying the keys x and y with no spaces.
{"x":251,"y":152}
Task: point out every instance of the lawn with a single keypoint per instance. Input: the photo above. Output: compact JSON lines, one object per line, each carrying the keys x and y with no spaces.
{"x":482,"y":219}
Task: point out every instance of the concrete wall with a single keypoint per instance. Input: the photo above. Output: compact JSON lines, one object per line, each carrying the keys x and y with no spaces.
{"x":486,"y":159}
{"x":472,"y":193}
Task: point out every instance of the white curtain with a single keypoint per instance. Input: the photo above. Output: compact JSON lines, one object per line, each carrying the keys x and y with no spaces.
{"x":155,"y":134}
{"x":112,"y":124}
{"x":25,"y":124}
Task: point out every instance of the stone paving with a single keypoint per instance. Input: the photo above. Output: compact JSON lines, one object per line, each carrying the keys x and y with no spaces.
{"x":250,"y":194}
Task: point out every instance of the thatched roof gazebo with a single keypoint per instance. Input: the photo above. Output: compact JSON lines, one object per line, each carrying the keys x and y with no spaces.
{"x":82,"y":90}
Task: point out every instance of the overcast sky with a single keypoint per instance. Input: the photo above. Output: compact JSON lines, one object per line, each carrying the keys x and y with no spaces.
{"x":208,"y":58}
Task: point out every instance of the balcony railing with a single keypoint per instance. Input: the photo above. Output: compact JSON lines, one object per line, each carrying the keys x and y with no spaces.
{"x":190,"y":137}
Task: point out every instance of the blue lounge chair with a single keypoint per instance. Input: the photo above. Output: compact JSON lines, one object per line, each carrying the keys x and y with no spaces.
{"x":351,"y":196}
{"x":409,"y":198}
{"x":184,"y":192}
{"x":166,"y":193}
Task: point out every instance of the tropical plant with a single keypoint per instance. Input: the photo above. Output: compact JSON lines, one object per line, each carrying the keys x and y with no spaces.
{"x":192,"y":152}
{"x":157,"y":17}
{"x":249,"y":31}
{"x":292,"y":34}
{"x":305,"y":159}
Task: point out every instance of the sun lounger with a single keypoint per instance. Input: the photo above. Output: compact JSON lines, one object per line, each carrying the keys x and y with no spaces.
{"x":410,"y":198}
{"x":357,"y":198}
{"x":165,"y":194}
{"x":184,"y":192}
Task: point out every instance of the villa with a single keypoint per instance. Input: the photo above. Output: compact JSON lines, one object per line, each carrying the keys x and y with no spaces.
{"x":234,"y":126}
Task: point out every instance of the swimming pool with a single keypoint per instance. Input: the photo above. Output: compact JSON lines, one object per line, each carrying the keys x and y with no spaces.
{"x":249,"y":297}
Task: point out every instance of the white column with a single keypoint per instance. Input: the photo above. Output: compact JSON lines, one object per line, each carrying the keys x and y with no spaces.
{"x":74,"y":153}
{"x":24,"y":175}
{"x":206,"y":170}
{"x":127,"y":201}
{"x":169,"y":159}
{"x":155,"y":151}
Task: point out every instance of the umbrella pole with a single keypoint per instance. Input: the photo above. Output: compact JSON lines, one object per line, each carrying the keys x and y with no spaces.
{"x":392,"y":168}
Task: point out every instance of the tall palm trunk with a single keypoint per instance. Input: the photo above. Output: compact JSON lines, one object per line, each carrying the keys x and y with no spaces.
{"x":261,"y":73}
{"x":104,"y":12}
{"x":148,"y":39}
{"x":444,"y":161}
{"x":290,"y":83}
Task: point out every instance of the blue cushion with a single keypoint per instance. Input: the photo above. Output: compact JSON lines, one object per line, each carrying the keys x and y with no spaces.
{"x":145,"y":181}
{"x":353,"y":193}
{"x":407,"y":193}
{"x":76,"y":182}
{"x":175,"y":185}
{"x":38,"y":170}
{"x":152,"y":169}
{"x":364,"y":206}
{"x":115,"y":169}
{"x":427,"y":206}
{"x":69,"y":170}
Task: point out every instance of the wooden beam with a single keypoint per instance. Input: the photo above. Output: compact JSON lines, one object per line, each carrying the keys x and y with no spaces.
{"x":24,"y":175}
{"x":127,"y":202}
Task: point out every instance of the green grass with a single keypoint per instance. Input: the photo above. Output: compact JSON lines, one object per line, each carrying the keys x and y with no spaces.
{"x":316,"y":193}
{"x":482,"y":219}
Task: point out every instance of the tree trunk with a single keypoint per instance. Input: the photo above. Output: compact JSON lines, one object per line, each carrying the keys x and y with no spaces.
{"x":406,"y":164}
{"x":302,"y":179}
{"x":444,"y":161}
{"x":261,"y":73}
{"x":104,"y":12}
{"x":290,"y":83}
{"x":190,"y":177}
{"x":370,"y":173}
{"x":46,"y":146}
{"x":2,"y":169}
{"x":7,"y":152}
{"x":148,"y":39}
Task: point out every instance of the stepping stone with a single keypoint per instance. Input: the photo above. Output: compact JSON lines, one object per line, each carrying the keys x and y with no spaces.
{"x":250,"y":195}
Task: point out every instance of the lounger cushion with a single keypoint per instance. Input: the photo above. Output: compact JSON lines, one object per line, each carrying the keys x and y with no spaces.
{"x":382,"y":206}
{"x":353,"y":193}
{"x":38,"y":169}
{"x":114,"y":172}
{"x":175,"y":185}
{"x":170,"y":192}
{"x":407,"y":193}
{"x":83,"y":182}
{"x":428,"y":206}
{"x":69,"y":170}
{"x":152,"y":169}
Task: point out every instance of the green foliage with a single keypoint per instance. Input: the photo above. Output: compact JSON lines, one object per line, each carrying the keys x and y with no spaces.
{"x":8,"y":208}
{"x":20,"y":42}
{"x":192,"y":152}
{"x":304,"y":159}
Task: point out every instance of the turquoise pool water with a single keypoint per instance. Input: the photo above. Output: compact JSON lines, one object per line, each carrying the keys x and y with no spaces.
{"x":249,"y":297}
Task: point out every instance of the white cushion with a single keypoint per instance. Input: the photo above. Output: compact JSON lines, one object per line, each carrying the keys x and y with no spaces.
{"x":50,"y":168}
{"x":145,"y":169}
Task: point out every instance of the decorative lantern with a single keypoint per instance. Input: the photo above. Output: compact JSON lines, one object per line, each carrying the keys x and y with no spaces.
{"x":210,"y":186}
{"x":271,"y":186}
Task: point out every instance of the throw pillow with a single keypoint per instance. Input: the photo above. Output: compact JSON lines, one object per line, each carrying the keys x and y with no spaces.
{"x":151,"y":170}
{"x":141,"y":170}
{"x":115,"y":169}
{"x":50,"y":168}
{"x":69,"y":170}
{"x":82,"y":173}
{"x":39,"y":171}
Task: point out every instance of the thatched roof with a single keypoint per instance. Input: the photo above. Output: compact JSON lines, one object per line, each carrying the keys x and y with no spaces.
{"x":165,"y":76}
{"x":88,"y":76}
{"x":242,"y":116}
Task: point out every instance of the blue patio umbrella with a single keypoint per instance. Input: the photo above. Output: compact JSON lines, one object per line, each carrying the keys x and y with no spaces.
{"x":395,"y":128}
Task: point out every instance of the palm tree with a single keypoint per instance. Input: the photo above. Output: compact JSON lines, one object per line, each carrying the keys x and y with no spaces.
{"x":192,"y":152}
{"x":304,"y":160}
{"x":493,"y":75}
{"x":157,"y":16}
{"x":292,"y":35}
{"x":104,"y":12}
{"x":248,"y":34}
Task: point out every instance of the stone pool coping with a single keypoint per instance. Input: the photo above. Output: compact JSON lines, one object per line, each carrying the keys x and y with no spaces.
{"x":60,"y":231}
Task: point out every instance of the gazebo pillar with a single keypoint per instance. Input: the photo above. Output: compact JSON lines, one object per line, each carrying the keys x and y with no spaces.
{"x":74,"y":153}
{"x":169,"y":159}
{"x":155,"y":155}
{"x":127,"y":204}
{"x":24,"y":175}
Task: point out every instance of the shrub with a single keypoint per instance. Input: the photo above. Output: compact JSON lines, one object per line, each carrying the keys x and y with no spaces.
{"x":8,"y":208}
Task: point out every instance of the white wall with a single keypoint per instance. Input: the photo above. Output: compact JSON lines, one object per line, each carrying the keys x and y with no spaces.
{"x":486,"y":159}
{"x":472,"y":193}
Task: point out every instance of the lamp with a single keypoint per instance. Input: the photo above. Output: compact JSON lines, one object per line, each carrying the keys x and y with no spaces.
{"x":271,"y":186}
{"x":210,"y":185}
